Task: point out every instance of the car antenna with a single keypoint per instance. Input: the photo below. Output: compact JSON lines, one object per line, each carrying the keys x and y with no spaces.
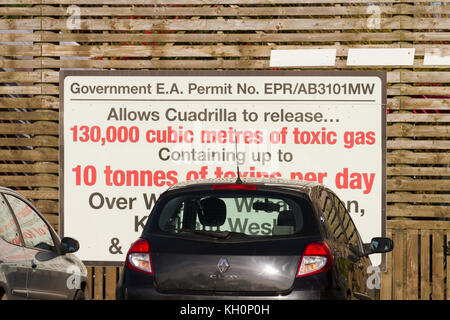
{"x":238,"y":179}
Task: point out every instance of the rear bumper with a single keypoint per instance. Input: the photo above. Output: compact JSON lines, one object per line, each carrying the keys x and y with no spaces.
{"x":153,"y":294}
{"x":301,"y":290}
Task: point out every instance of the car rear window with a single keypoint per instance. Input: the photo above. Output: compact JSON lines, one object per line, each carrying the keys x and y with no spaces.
{"x":226,"y":214}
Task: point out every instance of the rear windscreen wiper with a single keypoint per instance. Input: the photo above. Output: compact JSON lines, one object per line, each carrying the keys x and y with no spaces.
{"x":214,"y":234}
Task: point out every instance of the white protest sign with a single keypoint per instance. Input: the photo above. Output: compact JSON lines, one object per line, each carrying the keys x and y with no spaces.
{"x":128,"y":136}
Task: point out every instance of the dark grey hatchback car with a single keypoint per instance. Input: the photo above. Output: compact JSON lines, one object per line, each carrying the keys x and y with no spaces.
{"x":261,"y":239}
{"x":34,"y":262}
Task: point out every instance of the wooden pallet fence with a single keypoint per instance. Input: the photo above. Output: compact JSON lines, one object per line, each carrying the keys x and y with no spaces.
{"x":37,"y":41}
{"x":102,"y":282}
{"x":418,"y":266}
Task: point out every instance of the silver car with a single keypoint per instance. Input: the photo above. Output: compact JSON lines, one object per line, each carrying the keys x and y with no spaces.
{"x":34,"y":262}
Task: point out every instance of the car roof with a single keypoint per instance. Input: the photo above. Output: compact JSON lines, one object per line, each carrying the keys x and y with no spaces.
{"x":299,"y":185}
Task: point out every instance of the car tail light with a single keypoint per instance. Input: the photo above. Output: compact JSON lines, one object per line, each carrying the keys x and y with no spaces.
{"x":316,"y":258}
{"x":138,"y":257}
{"x":234,"y":187}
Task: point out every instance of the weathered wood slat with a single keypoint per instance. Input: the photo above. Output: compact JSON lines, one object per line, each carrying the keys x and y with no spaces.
{"x":417,"y":171}
{"x":175,"y":51}
{"x":49,"y":207}
{"x":409,"y":130}
{"x":423,"y":23}
{"x":402,"y":184}
{"x":139,"y":12}
{"x":110,"y":283}
{"x":437,"y":90}
{"x":39,"y":167}
{"x":39,"y":154}
{"x":406,"y":103}
{"x":152,"y":64}
{"x":413,"y":144}
{"x":98,"y":283}
{"x":407,"y":35}
{"x":50,"y":89}
{"x":39,"y":128}
{"x":241,"y":24}
{"x":428,"y":77}
{"x":402,"y":210}
{"x":428,"y":198}
{"x":40,"y":115}
{"x":255,"y":50}
{"x":20,"y":24}
{"x":20,"y":63}
{"x":38,"y":102}
{"x":418,"y":224}
{"x":29,"y":181}
{"x":438,"y":265}
{"x":20,"y":50}
{"x":411,"y":117}
{"x":20,"y":36}
{"x":398,"y":265}
{"x":398,"y":22}
{"x":40,"y":194}
{"x":409,"y":157}
{"x":318,"y":10}
{"x":145,"y":11}
{"x":201,"y":37}
{"x":419,"y":9}
{"x":39,"y":141}
{"x":150,"y":38}
{"x":20,"y":90}
{"x":425,"y":285}
{"x":412,"y":265}
{"x":20,"y":11}
{"x":19,"y":76}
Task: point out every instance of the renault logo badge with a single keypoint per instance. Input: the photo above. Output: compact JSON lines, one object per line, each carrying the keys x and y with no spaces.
{"x":223,"y":265}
